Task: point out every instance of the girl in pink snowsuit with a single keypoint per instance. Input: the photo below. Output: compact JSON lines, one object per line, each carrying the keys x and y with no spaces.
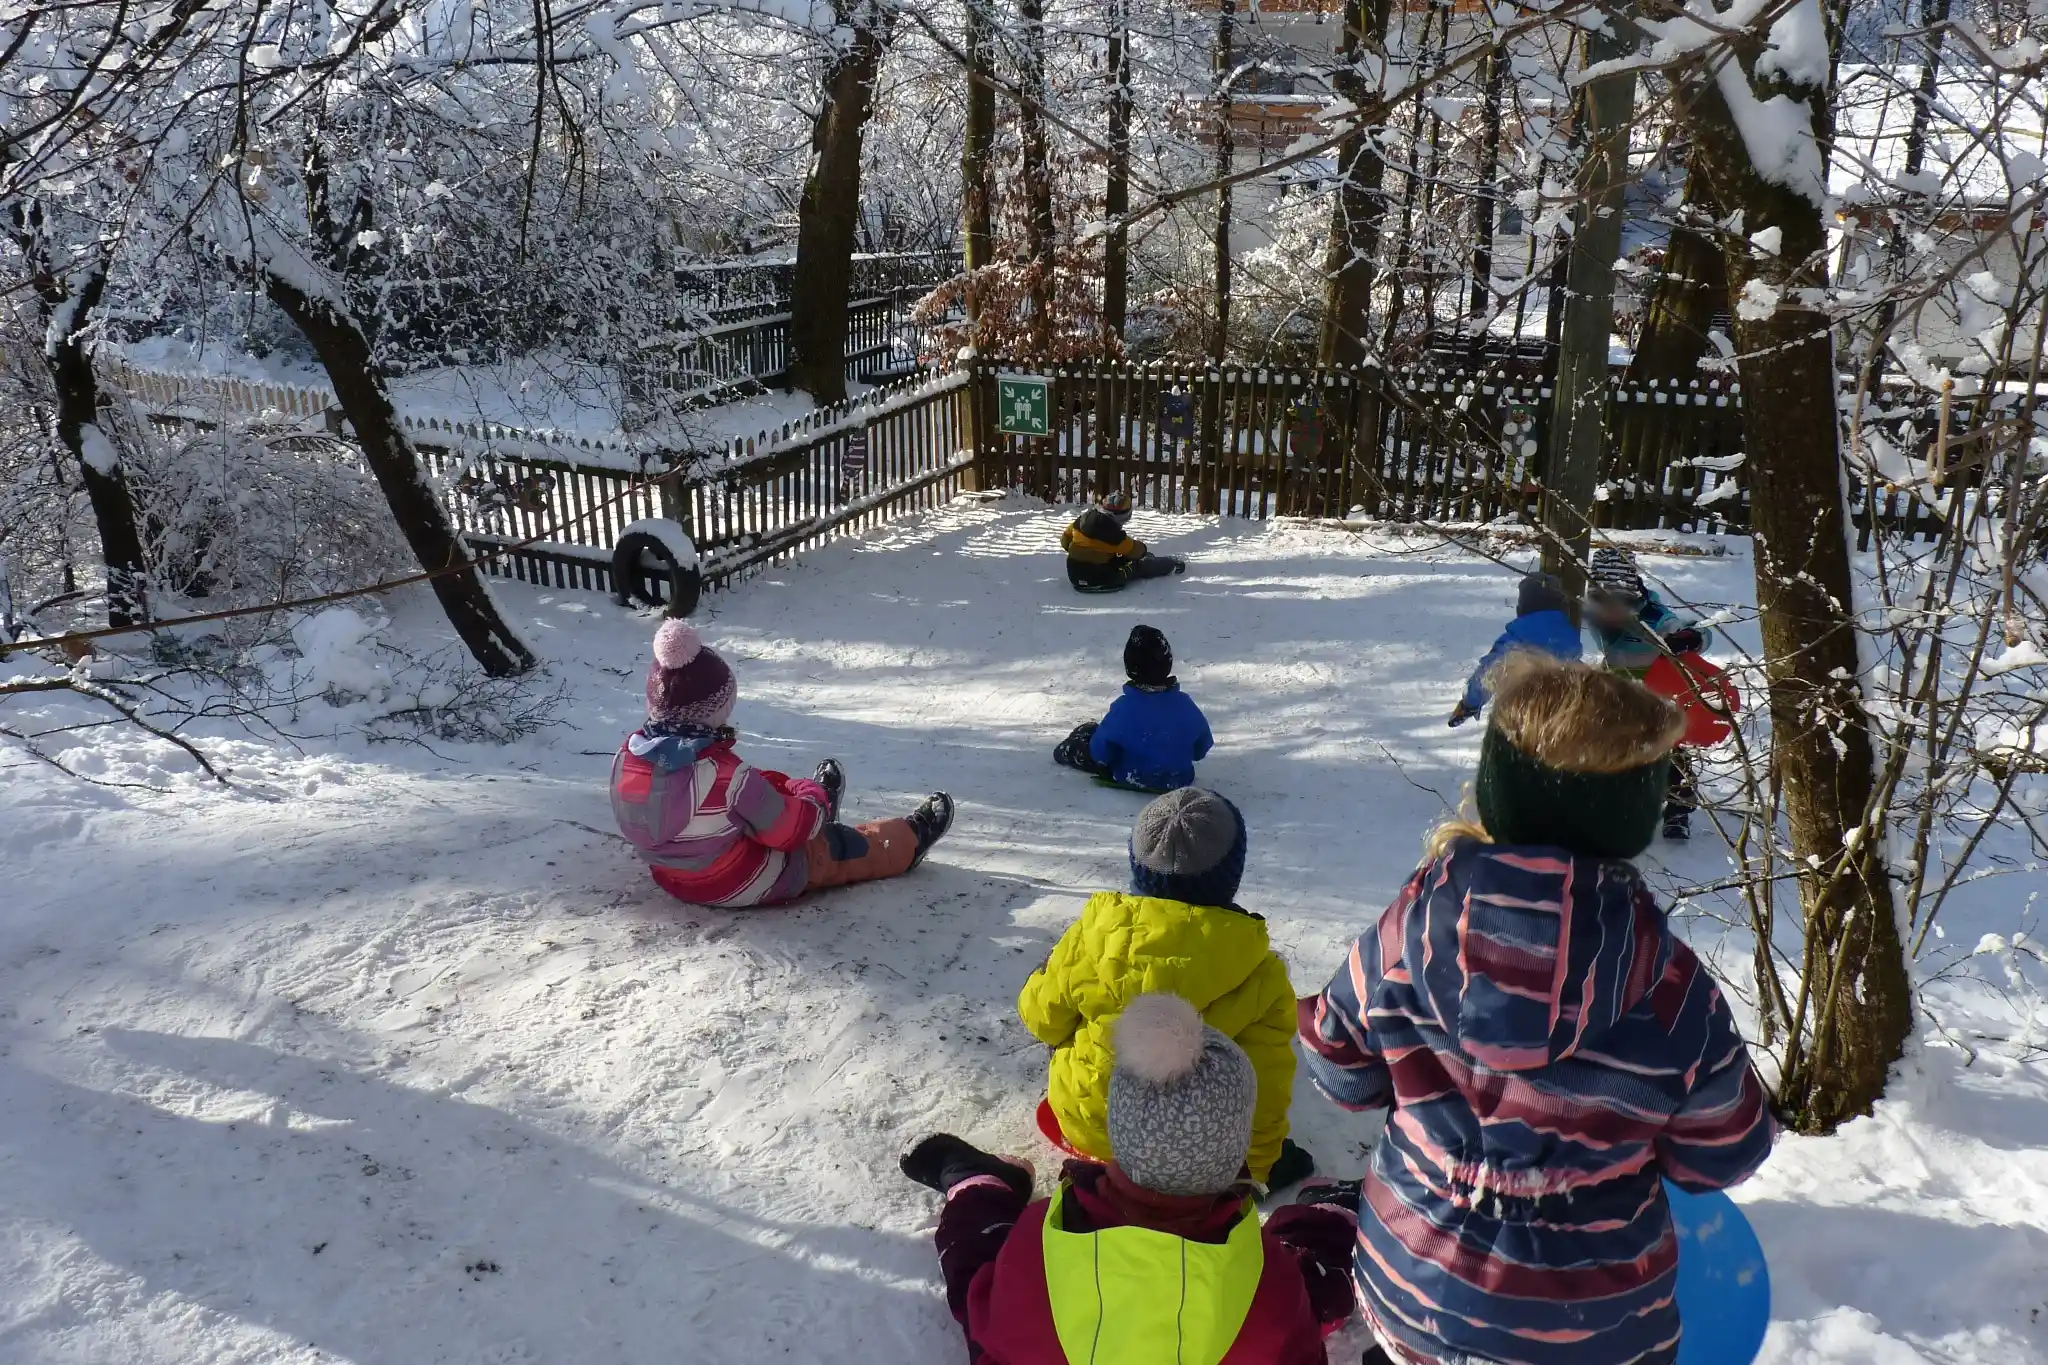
{"x":718,"y":831}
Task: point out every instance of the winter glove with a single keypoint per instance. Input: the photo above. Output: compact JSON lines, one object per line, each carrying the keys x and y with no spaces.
{"x":1460,"y":714}
{"x":1686,"y":641}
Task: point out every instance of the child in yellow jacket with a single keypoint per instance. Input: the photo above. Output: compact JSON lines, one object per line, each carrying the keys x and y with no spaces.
{"x":1177,"y":931}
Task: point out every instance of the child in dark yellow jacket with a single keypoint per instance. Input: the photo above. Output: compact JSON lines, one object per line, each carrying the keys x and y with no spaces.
{"x":1102,"y":556}
{"x":1176,"y":931}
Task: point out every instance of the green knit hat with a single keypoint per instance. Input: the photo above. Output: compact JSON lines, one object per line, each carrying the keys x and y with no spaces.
{"x":1605,"y":815}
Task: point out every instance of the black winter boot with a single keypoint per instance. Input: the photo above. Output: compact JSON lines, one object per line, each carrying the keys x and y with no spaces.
{"x":1072,"y":752}
{"x":942,"y":1161}
{"x":832,"y":778}
{"x":930,"y":822}
{"x":1293,"y":1165}
{"x":1336,"y":1194}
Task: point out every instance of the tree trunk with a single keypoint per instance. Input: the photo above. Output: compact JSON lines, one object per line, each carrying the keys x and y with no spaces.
{"x":67,"y":305}
{"x":1578,"y":424}
{"x":978,"y":151}
{"x":1690,"y":289}
{"x":345,"y":353}
{"x":1361,"y":201}
{"x":1483,"y":217}
{"x":1116,"y":261}
{"x":828,"y":215}
{"x":1837,"y":1066}
{"x":1225,"y":59}
{"x":1039,"y":226}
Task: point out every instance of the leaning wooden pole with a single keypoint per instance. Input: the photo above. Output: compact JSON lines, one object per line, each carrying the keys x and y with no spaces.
{"x":1578,"y":424}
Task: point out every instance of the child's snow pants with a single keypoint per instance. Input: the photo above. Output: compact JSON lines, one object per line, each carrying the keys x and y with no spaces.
{"x":845,"y":854}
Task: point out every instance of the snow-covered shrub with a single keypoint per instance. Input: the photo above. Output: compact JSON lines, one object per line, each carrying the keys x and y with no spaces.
{"x":252,"y":512}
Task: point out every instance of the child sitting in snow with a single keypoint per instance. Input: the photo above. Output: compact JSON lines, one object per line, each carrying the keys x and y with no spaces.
{"x":1542,"y":621}
{"x":1154,"y":733}
{"x":1156,"y":1255}
{"x":1550,"y":1050}
{"x":719,"y":832}
{"x":1102,"y":557}
{"x":1177,"y":929}
{"x":1628,"y":621}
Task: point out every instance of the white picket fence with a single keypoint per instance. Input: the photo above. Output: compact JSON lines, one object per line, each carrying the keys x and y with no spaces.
{"x":172,"y":394}
{"x":209,"y":398}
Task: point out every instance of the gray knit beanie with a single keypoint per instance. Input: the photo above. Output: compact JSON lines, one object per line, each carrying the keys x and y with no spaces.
{"x":1188,"y":845}
{"x":1180,"y":1100}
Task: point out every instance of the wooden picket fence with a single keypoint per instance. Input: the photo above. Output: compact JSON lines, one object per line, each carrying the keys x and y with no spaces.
{"x":906,"y":447}
{"x":1415,"y":446}
{"x":1404,"y":445}
{"x":1422,"y":445}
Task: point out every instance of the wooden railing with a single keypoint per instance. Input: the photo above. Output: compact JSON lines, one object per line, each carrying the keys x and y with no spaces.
{"x":751,"y":351}
{"x":903,"y":448}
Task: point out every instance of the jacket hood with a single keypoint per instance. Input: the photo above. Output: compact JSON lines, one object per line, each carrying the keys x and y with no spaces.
{"x":671,"y":752}
{"x":1530,"y":954}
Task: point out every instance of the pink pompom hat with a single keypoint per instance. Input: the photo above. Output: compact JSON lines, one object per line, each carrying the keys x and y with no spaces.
{"x":689,"y":684}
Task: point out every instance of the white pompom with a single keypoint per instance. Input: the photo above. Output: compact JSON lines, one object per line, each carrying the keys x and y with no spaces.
{"x":675,"y":644}
{"x":1159,"y":1038}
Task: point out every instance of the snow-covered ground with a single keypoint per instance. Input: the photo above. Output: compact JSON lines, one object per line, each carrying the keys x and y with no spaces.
{"x":392,"y":1055}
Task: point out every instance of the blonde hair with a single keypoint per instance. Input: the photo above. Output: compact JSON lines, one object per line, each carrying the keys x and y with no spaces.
{"x":1570,"y":716}
{"x":1580,"y":719}
{"x":1456,"y":830}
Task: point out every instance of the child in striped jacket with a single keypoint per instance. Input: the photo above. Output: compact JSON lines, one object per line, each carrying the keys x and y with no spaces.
{"x":1550,"y":1051}
{"x":718,"y":831}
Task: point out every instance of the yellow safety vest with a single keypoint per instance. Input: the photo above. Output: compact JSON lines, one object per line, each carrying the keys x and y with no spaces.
{"x":1133,"y":1296}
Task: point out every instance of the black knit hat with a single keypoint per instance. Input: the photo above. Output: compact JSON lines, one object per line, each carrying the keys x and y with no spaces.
{"x":1540,"y":592}
{"x":1523,"y":800}
{"x":1148,"y":658}
{"x":1188,"y":845}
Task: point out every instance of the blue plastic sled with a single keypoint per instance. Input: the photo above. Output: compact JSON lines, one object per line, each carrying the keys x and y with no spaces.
{"x":1724,"y":1287}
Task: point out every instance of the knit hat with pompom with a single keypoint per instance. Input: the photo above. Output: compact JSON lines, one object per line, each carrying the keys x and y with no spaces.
{"x":689,"y":685}
{"x":1180,"y":1100}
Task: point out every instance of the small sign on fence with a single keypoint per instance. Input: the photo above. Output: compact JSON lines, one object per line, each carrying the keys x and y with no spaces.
{"x":853,"y":465}
{"x":1176,"y":416}
{"x":1023,"y":406}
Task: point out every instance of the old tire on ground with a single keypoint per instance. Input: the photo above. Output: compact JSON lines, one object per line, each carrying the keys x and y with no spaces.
{"x":640,"y":555}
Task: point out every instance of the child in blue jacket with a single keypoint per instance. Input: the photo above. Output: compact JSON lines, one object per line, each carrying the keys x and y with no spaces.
{"x":1154,"y":733}
{"x":1633,"y":626}
{"x":1543,"y":622}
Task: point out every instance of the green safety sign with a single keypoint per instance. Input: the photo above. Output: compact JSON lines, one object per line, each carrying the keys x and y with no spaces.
{"x":1023,"y":407}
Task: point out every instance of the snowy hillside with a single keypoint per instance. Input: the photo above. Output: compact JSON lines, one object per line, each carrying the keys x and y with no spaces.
{"x":391,"y":1054}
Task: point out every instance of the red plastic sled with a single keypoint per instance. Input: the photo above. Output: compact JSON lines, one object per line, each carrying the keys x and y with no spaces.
{"x":1049,"y":1124}
{"x":1702,"y":691}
